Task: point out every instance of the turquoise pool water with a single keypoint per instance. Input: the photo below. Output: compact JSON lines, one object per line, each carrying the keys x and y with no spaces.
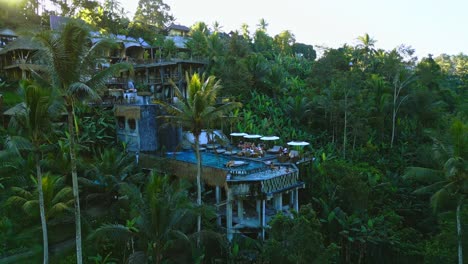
{"x":215,"y":160}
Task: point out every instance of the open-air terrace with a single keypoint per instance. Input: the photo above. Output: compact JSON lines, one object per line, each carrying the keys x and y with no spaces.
{"x":248,"y":189}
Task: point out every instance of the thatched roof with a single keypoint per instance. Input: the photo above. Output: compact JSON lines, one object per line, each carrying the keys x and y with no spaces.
{"x":21,"y":43}
{"x":130,"y":112}
{"x":7,"y":32}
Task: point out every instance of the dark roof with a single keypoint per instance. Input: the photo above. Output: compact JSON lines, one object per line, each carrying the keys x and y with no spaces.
{"x":178,"y":27}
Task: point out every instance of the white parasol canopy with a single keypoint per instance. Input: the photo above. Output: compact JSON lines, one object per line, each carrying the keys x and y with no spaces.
{"x":269,"y":138}
{"x":298,"y":143}
{"x":252,"y":136}
{"x":238,"y":134}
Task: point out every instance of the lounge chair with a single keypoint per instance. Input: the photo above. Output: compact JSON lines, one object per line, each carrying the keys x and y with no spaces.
{"x":219,"y":151}
{"x":230,"y":152}
{"x":274,"y":150}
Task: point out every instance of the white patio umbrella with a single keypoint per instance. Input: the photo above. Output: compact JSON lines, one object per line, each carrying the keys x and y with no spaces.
{"x":238,"y":134}
{"x":252,"y":136}
{"x":298,"y":143}
{"x":269,"y":138}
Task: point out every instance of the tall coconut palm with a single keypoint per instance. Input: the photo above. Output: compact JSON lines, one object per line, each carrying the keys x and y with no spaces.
{"x":71,"y":58}
{"x":367,"y":43}
{"x":32,"y":122}
{"x":196,"y":112}
{"x":448,"y":182}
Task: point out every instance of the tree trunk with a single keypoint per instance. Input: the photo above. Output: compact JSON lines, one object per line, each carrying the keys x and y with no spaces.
{"x":393,"y":125}
{"x":459,"y":233}
{"x":76,"y":194}
{"x":345,"y":129}
{"x":398,"y":86}
{"x":45,"y":240}
{"x":199,"y":163}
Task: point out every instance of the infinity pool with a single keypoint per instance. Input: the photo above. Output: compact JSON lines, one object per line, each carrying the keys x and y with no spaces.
{"x":215,"y":160}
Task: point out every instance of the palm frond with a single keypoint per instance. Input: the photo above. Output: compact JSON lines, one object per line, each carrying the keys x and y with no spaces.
{"x":18,"y":143}
{"x":64,"y":194}
{"x":424,"y":175}
{"x":31,"y":207}
{"x":115,"y":232}
{"x":137,"y":257}
{"x":16,"y":201}
{"x":22,"y":192}
{"x":440,"y":201}
{"x":430,"y":189}
{"x":58,"y":208}
{"x":79,"y":89}
{"x":98,"y":80}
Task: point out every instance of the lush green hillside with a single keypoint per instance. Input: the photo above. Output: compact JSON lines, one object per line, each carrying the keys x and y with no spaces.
{"x":388,"y":131}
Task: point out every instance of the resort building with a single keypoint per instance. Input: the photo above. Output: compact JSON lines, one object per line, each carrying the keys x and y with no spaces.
{"x":247,"y":190}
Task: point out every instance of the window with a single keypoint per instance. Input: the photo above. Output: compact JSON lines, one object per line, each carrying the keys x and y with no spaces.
{"x":121,"y":122}
{"x":132,"y":124}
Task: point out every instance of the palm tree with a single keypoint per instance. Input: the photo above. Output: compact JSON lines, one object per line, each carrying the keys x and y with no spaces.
{"x":367,"y":43}
{"x":161,"y":211}
{"x":57,"y":197}
{"x":109,"y":171}
{"x":196,"y":112}
{"x":448,"y":182}
{"x":33,"y":123}
{"x":399,"y":84}
{"x":262,"y":25}
{"x":71,"y":60}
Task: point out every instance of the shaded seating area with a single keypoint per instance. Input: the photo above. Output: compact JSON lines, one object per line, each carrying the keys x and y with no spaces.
{"x":250,"y":150}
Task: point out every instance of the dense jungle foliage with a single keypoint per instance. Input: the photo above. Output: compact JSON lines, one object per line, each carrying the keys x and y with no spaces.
{"x":388,"y":131}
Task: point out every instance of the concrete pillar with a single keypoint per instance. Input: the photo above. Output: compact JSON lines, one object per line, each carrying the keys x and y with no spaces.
{"x":278,"y":202}
{"x":259,"y":212}
{"x":218,"y":200}
{"x":229,"y":215}
{"x":296,"y":199}
{"x":240,"y":210}
{"x":263,"y":219}
{"x":218,"y":194}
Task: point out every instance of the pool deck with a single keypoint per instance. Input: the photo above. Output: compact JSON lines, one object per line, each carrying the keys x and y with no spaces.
{"x":260,"y":181}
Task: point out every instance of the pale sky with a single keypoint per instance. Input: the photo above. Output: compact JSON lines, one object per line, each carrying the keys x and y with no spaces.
{"x":429,"y":26}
